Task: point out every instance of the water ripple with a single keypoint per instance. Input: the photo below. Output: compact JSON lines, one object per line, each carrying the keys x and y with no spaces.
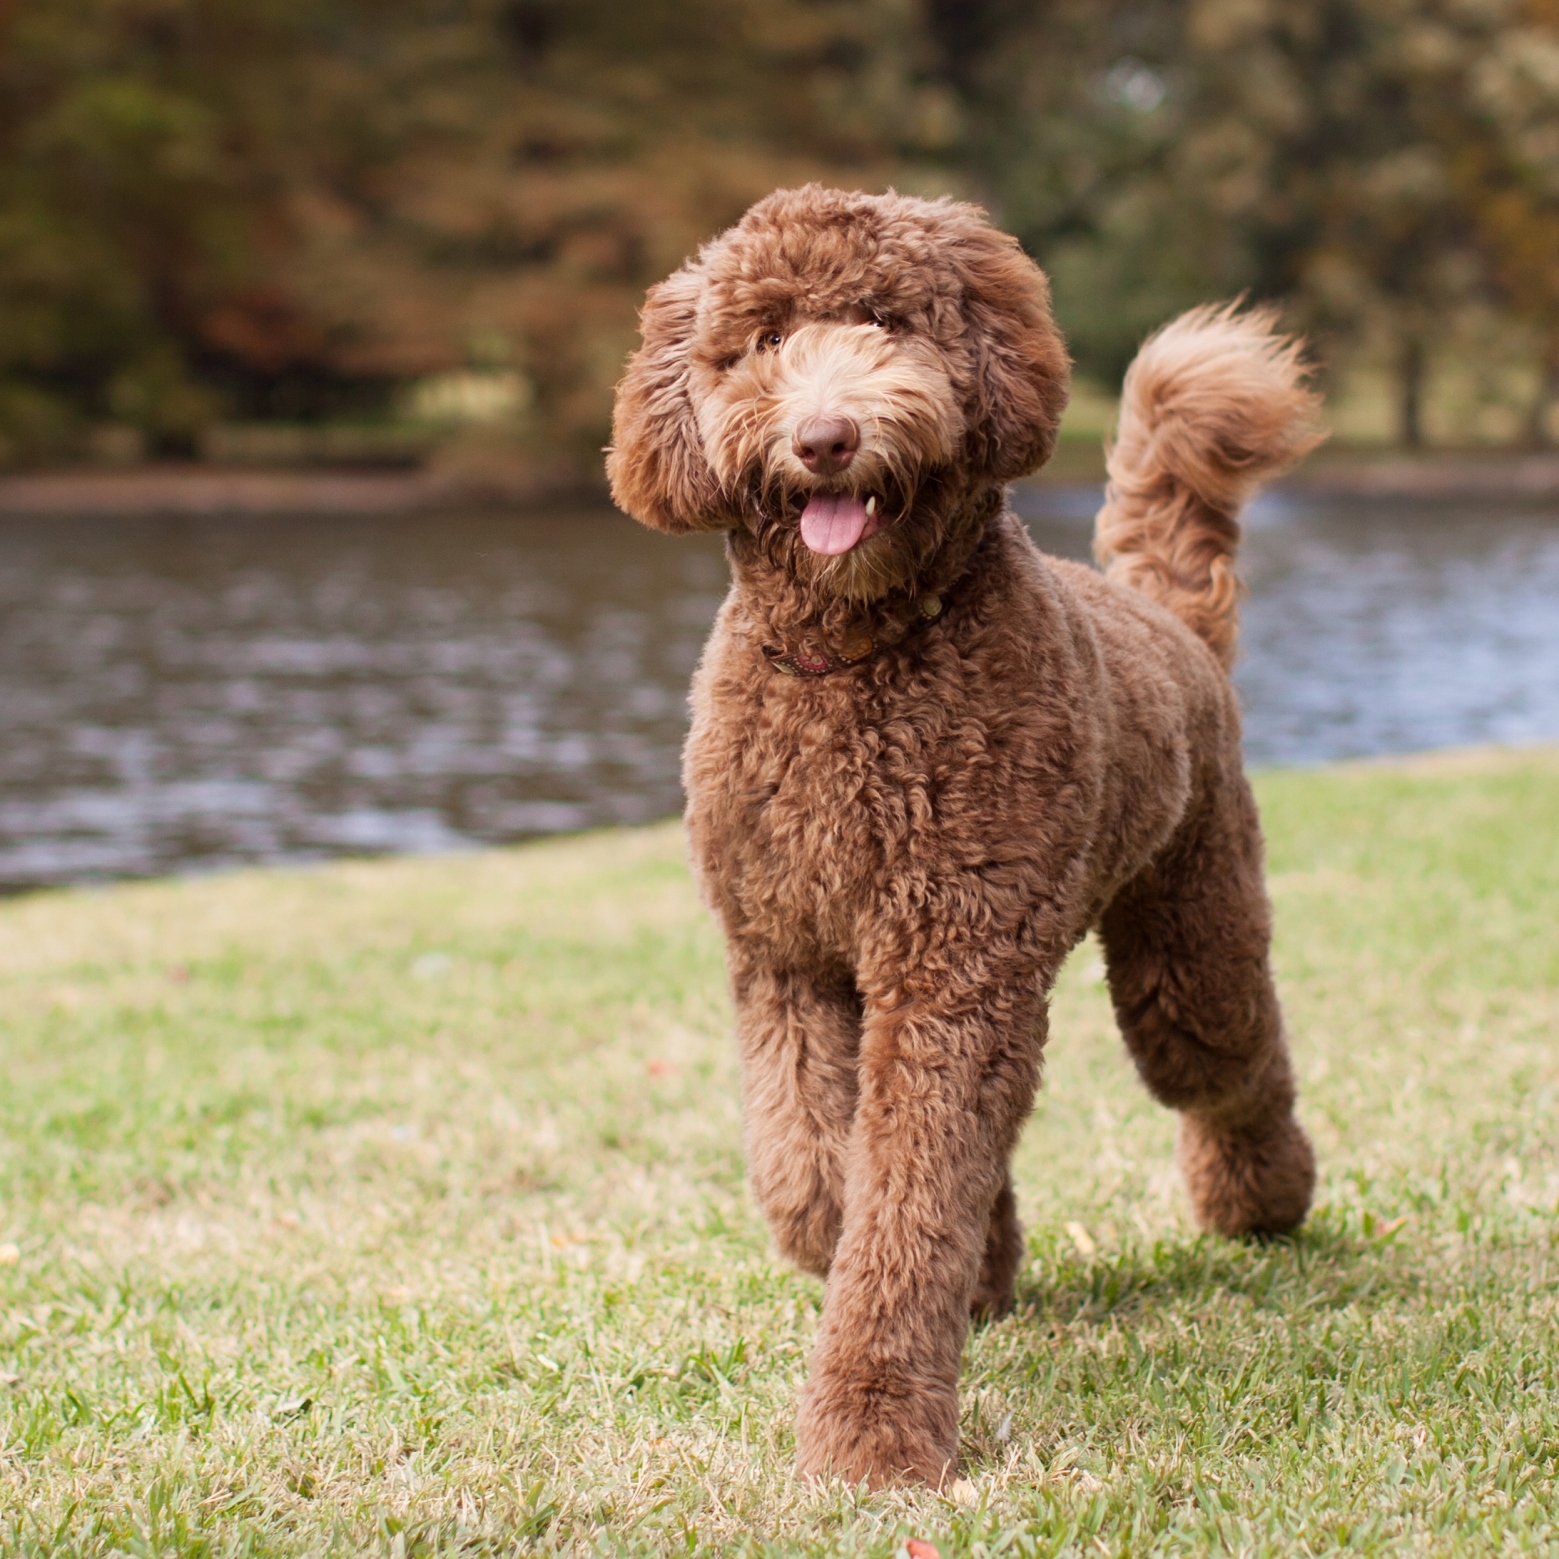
{"x":190,"y":693}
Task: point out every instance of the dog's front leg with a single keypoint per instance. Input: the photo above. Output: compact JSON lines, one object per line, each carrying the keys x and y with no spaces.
{"x":946,"y":1076}
{"x":799,"y":1030}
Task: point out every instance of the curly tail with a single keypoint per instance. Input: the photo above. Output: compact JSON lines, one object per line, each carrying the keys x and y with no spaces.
{"x":1213,"y":405}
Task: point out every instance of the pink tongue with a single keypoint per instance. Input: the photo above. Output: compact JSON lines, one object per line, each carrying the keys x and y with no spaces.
{"x":832,"y":523}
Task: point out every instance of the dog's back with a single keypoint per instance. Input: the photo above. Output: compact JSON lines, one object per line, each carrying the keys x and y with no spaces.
{"x":1213,"y":406}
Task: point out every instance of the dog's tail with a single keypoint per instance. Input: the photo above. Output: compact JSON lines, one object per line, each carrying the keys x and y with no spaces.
{"x":1213,"y":405}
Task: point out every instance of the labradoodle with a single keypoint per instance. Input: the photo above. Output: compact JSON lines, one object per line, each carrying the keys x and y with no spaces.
{"x":926,"y":759}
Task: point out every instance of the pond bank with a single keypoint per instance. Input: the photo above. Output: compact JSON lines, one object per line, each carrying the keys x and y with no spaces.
{"x":197,"y":489}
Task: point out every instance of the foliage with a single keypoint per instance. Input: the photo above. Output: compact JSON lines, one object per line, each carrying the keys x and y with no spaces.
{"x":544,"y":163}
{"x":1383,"y":165}
{"x":129,"y":197}
{"x":287,"y":208}
{"x":290,"y":210}
{"x":1515,"y":200}
{"x":398,"y":1208}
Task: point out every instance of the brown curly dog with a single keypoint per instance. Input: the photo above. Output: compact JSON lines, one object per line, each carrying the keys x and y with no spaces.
{"x":926,"y":759}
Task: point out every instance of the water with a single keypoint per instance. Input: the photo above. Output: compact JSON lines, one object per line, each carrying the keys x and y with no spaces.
{"x":183,"y":693}
{"x":1379,"y":629}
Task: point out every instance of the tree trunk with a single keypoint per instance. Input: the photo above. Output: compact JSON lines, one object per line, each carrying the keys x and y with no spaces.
{"x":1410,"y":391}
{"x":1538,"y":435}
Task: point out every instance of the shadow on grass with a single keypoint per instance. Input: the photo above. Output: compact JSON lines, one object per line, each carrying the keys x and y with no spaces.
{"x":1174,"y":1337}
{"x":1325,"y":1265}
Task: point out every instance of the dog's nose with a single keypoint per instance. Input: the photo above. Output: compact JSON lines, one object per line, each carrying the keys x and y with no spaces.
{"x":826,"y":444}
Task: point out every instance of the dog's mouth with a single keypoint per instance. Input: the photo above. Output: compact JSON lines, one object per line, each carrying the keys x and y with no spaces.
{"x":851,"y":545}
{"x":834,"y":523}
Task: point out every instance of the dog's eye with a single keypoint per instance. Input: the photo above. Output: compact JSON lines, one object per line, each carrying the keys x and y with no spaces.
{"x":879,"y":321}
{"x":769,"y":339}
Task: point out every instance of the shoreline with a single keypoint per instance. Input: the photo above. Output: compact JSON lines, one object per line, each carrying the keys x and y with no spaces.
{"x":176,"y":489}
{"x":1478,"y":761}
{"x":196,"y":490}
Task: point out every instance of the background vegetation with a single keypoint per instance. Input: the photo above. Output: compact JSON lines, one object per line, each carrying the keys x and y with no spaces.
{"x":399,"y":1208}
{"x":445,"y":211}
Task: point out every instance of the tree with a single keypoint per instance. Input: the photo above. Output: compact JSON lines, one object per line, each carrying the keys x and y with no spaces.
{"x":1073,"y":110}
{"x":1367,"y":113}
{"x":539,"y":165}
{"x":288,"y":209}
{"x":1341,"y":155}
{"x":1513,"y":194}
{"x":135,"y":186}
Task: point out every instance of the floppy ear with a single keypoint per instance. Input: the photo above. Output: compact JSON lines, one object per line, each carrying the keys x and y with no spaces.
{"x":656,"y":462}
{"x":1022,"y":371}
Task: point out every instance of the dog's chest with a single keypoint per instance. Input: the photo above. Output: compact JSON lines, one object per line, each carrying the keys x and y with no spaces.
{"x":792,"y":815}
{"x":818,"y":810}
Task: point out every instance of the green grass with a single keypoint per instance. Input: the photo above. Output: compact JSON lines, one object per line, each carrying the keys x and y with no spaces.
{"x":398,"y":1208}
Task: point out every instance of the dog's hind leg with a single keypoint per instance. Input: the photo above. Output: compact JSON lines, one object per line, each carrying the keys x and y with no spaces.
{"x":995,"y":1291}
{"x":1186,"y":950}
{"x":799,"y":1033}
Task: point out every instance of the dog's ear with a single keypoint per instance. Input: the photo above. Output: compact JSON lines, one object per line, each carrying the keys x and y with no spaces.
{"x":1021,"y":372}
{"x":656,"y":462}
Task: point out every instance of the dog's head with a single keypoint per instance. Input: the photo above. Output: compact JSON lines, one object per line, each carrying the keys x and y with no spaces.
{"x":837,"y":375}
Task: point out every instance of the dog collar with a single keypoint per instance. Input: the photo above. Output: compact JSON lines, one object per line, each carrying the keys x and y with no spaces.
{"x":851,"y":651}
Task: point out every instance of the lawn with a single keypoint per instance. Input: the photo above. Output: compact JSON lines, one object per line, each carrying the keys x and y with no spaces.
{"x":397,"y":1208}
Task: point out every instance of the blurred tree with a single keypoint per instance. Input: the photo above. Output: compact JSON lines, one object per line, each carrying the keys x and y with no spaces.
{"x":1357,"y":116}
{"x":130,"y":199}
{"x":1074,"y":109}
{"x":1514,"y":197}
{"x":280,"y":208}
{"x":537,"y":164}
{"x":284,"y":209}
{"x":1369,"y":161}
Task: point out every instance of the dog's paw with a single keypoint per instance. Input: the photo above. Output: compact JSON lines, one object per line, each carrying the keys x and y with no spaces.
{"x":1247,"y":1182}
{"x":878,"y":1434}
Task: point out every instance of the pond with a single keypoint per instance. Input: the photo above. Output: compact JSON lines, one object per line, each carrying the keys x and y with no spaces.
{"x":188,"y":693}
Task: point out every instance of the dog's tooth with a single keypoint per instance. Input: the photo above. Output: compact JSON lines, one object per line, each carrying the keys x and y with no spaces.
{"x":871,"y":504}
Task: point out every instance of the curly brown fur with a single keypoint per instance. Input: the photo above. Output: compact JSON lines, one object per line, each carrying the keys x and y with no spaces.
{"x":904,"y":850}
{"x":1213,"y":406}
